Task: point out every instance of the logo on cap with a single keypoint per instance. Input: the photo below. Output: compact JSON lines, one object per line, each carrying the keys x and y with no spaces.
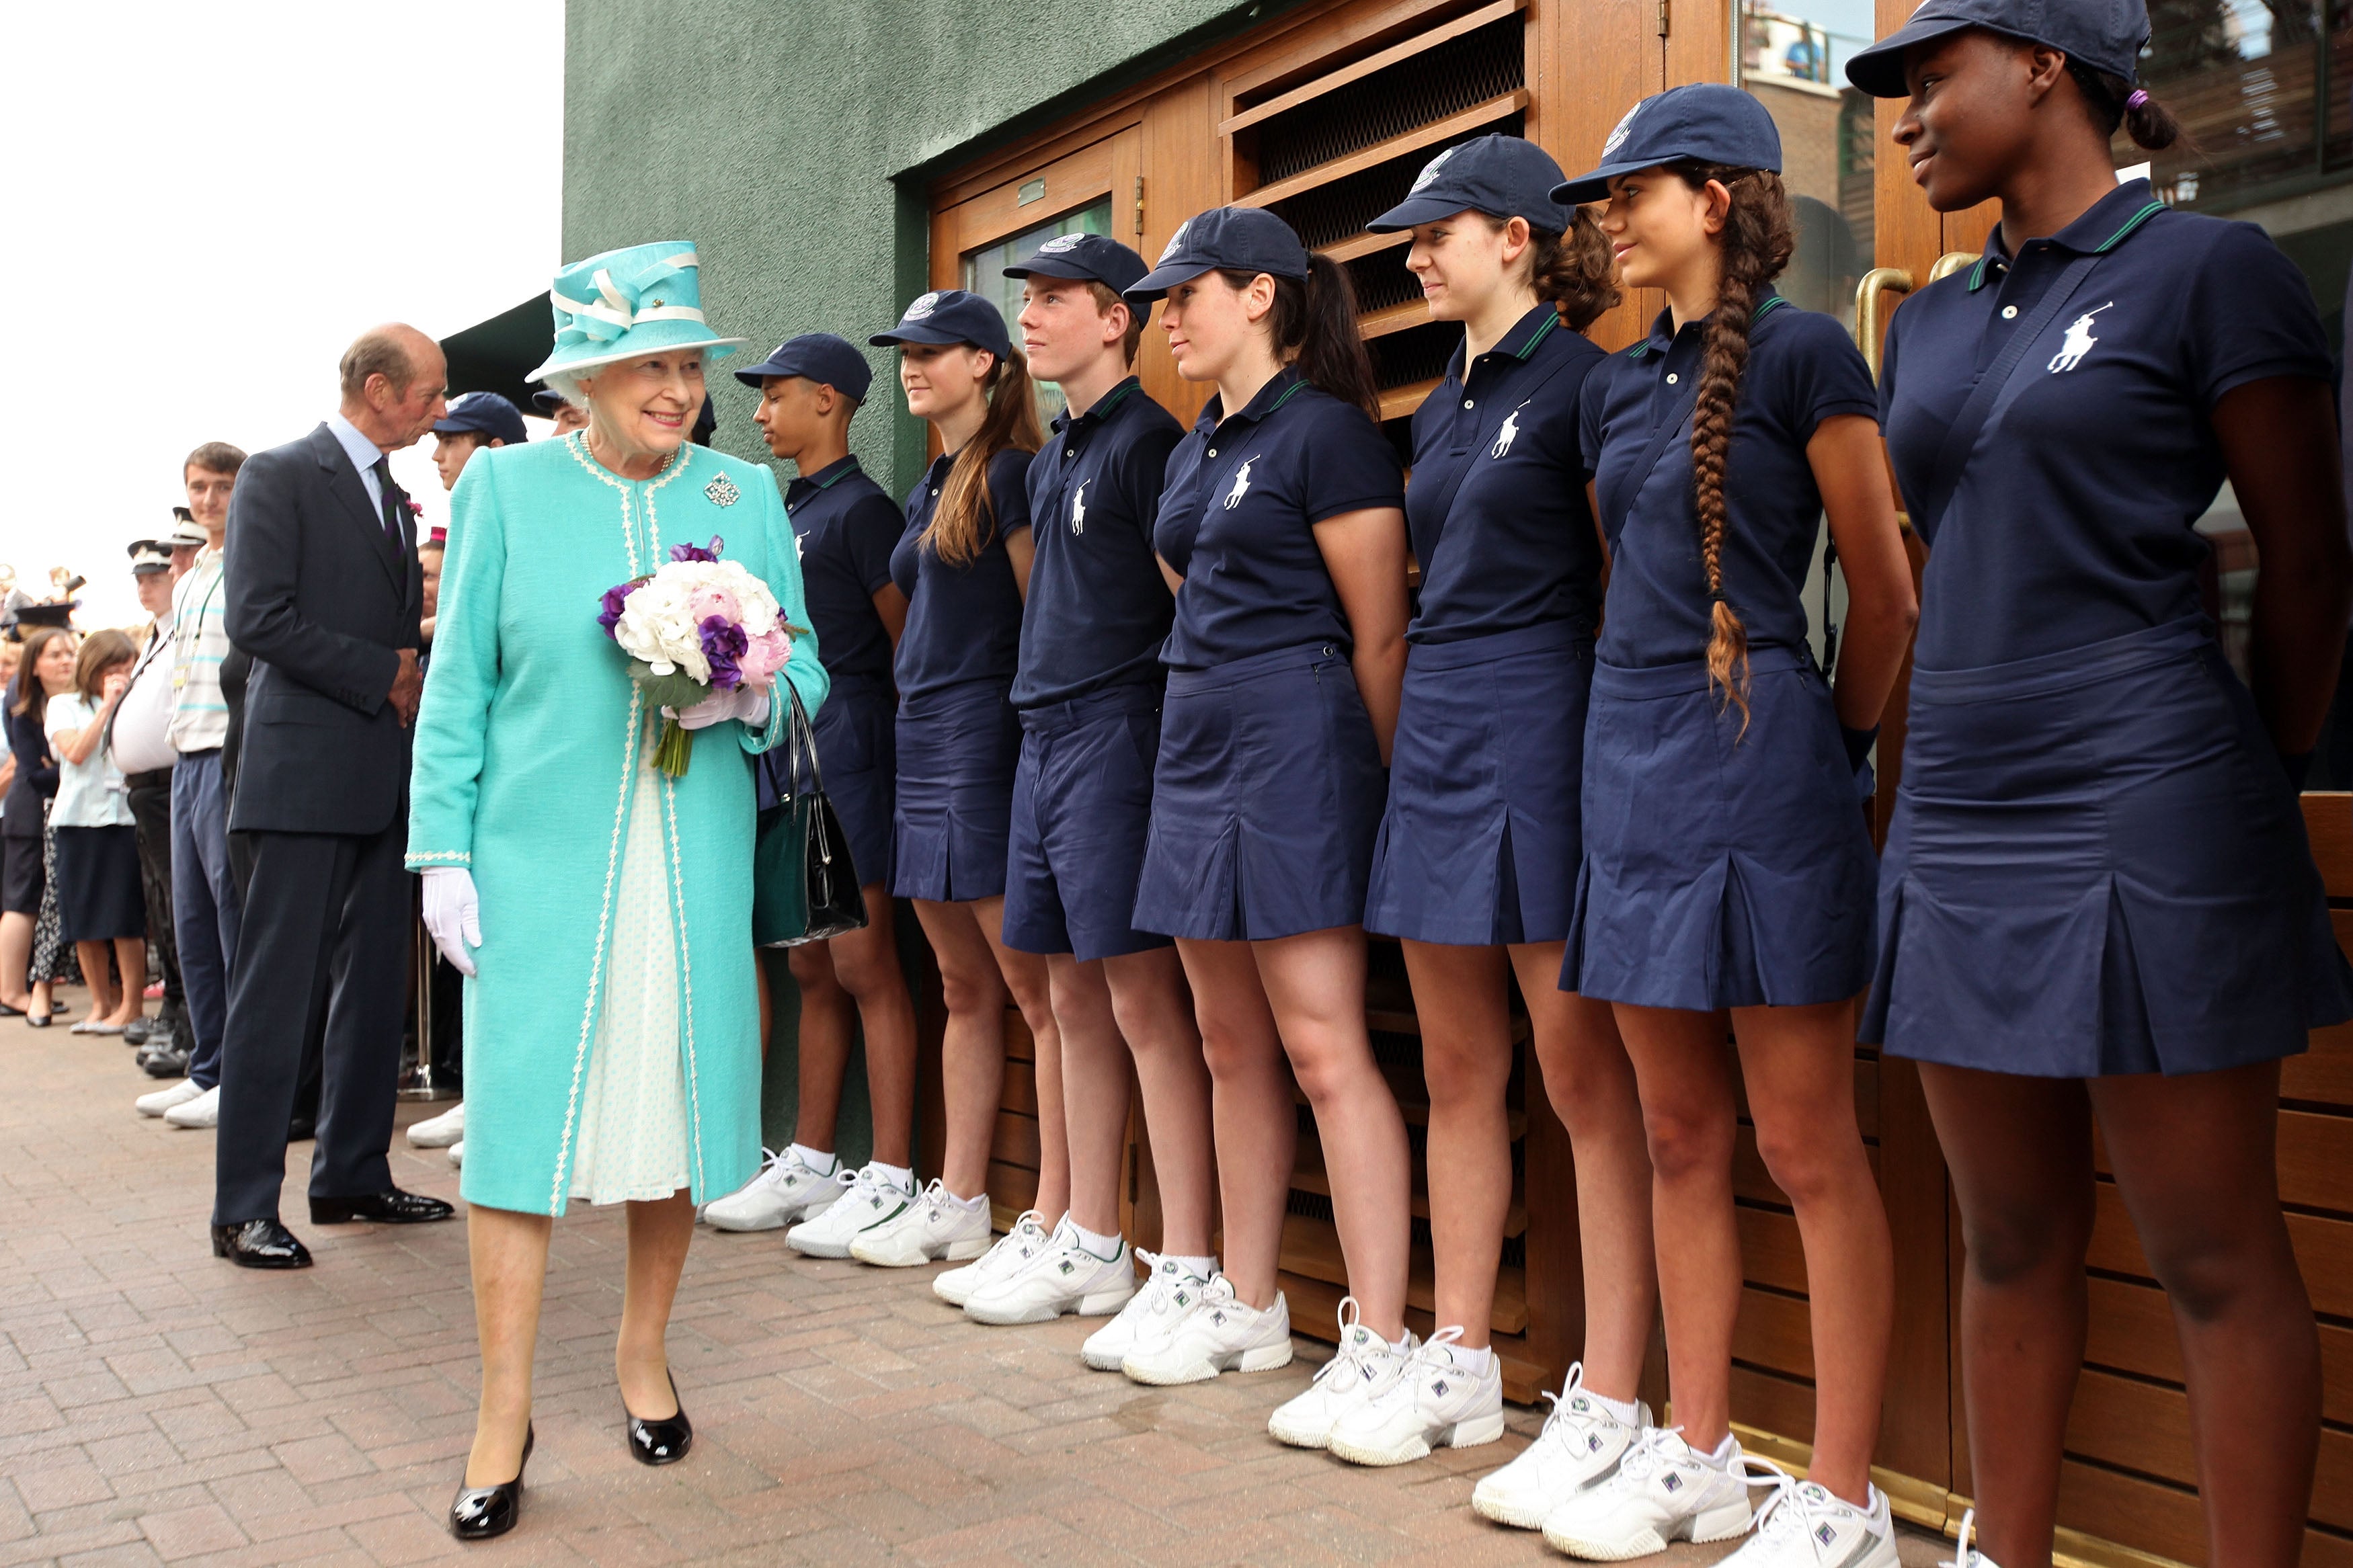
{"x":923,"y":306}
{"x":1429,"y":172}
{"x":1175,"y":243}
{"x":1060,"y":243}
{"x":1617,"y":138}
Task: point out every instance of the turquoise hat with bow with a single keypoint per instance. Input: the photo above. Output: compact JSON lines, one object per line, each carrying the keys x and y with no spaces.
{"x":626,"y":304}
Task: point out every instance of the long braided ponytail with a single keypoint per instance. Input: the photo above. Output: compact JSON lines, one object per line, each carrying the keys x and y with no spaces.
{"x":1758,"y":237}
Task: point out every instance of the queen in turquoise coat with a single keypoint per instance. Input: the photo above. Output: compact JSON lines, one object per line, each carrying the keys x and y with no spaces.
{"x":600,"y":907}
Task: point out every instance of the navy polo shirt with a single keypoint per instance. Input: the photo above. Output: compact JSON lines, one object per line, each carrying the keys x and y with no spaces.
{"x":844,"y":527}
{"x":1099,"y":608}
{"x":1497,"y":503}
{"x":1237,"y":520}
{"x":963,"y":623}
{"x":2073,"y":519}
{"x":1802,"y":369}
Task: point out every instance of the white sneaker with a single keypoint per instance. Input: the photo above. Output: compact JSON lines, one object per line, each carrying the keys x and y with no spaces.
{"x":1965,"y":1553}
{"x":1427,"y":1397}
{"x":787,"y":1190}
{"x":1662,"y":1491}
{"x":867,"y":1197}
{"x":163,"y":1100}
{"x":1218,"y":1332}
{"x":1013,"y":1250}
{"x":1362,"y":1364}
{"x":198,"y":1110}
{"x":439,"y":1131}
{"x":1578,"y":1447}
{"x":1803,"y":1525}
{"x":457,"y":1155}
{"x":1166,"y":1292}
{"x":935,"y":1224}
{"x":1064,"y":1277}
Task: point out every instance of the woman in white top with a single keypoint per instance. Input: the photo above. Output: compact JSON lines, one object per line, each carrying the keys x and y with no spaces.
{"x":100,"y":900}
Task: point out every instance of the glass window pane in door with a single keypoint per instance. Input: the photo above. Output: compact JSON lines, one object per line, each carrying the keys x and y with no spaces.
{"x":983,"y":273}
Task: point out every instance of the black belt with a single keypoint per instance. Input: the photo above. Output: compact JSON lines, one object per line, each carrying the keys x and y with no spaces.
{"x":155,"y":778}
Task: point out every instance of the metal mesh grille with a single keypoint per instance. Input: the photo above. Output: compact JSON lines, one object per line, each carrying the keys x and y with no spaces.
{"x":1381,"y":280}
{"x":1329,"y":214}
{"x":1418,"y":353}
{"x":1445,"y":80}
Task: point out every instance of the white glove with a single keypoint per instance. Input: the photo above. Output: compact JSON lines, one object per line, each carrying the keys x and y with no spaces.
{"x":453,"y":914}
{"x":746,"y":703}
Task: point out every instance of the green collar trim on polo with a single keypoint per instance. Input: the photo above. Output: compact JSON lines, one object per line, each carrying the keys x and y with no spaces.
{"x":842,"y":470}
{"x":1767,"y":304}
{"x":1985,"y":262}
{"x":1544,"y":331}
{"x":1294,"y":390}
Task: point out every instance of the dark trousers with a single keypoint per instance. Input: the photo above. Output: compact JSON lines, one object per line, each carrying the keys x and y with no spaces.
{"x":306,"y":1089}
{"x":151,"y":809}
{"x":205,"y":906}
{"x":329,"y":918}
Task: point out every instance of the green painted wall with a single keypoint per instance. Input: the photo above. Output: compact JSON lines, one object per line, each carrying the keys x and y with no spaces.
{"x":789,"y":142}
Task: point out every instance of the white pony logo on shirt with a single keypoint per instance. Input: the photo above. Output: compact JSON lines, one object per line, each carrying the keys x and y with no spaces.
{"x":1507,"y":434}
{"x":1242,"y":483}
{"x":1079,"y":508}
{"x":2079,"y":341}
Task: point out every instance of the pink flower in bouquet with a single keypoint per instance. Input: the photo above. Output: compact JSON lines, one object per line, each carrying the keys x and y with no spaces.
{"x":708,"y":600}
{"x":765,"y":657}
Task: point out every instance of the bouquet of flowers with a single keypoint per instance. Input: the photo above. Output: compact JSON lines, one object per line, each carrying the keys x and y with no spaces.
{"x":695,"y":626}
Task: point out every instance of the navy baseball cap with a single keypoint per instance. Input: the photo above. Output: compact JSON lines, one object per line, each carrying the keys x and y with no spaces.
{"x":2105,"y":35}
{"x":547,"y":401}
{"x":949,"y":316}
{"x":1705,"y":121}
{"x":1097,"y":257}
{"x":1228,"y":239}
{"x":816,"y":356}
{"x":1502,"y":176}
{"x":483,"y":414}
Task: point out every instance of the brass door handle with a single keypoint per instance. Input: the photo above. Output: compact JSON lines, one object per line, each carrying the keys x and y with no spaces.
{"x":1870,"y":325}
{"x":1952,"y":262}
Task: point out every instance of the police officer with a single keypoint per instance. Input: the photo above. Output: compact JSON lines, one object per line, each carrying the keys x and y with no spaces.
{"x":475,"y":421}
{"x":1476,"y":865}
{"x":1726,"y":867}
{"x":845,"y":528}
{"x":2097,"y":901}
{"x":1089,"y":695}
{"x":1282,"y":517}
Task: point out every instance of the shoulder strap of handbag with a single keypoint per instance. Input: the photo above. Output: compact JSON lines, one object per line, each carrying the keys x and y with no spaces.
{"x":1497,"y":411}
{"x":801,"y":741}
{"x":1678,"y":418}
{"x":2000,"y":383}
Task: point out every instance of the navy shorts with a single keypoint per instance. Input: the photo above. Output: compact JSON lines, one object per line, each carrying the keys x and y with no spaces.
{"x":957,"y":749}
{"x":1480,"y":842}
{"x":1265,"y":800}
{"x":856,"y":755}
{"x":1081,"y":814}
{"x":2097,"y":866}
{"x":1721,"y":869}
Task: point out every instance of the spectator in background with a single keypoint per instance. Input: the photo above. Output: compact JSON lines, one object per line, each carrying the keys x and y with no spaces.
{"x":568,"y":416}
{"x":430,"y":553}
{"x":61,"y":580}
{"x":140,"y":739}
{"x":45,"y":664}
{"x":12,"y":598}
{"x":98,"y":899}
{"x":475,"y":421}
{"x":204,"y":912}
{"x":185,"y":540}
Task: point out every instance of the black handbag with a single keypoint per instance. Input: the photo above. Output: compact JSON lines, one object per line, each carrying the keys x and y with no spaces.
{"x":804,"y":888}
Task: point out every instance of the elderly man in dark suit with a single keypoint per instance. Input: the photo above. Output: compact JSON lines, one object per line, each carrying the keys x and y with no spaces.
{"x":324,"y":592}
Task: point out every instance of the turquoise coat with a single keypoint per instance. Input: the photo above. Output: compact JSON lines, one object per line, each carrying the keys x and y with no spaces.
{"x":527,"y":746}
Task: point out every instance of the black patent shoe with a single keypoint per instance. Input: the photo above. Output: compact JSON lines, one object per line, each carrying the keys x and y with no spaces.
{"x":391,"y":1207}
{"x":478,"y":1513}
{"x":259,"y":1243}
{"x":662,"y":1442}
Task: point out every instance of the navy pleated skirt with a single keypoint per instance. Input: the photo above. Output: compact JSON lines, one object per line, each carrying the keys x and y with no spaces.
{"x":1721,"y":869}
{"x":856,"y":751}
{"x":1481,"y":840}
{"x":2097,"y":866}
{"x":1265,"y":800}
{"x":957,"y":749}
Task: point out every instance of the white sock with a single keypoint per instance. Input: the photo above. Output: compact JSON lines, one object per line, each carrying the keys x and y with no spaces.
{"x":902,"y":1177}
{"x":823,"y":1163}
{"x":1726,"y":1455}
{"x":972,"y":1203}
{"x":1625,"y":1411}
{"x":1471,"y":1360}
{"x":1403,"y":1345}
{"x":1103,"y":1246}
{"x":1200,"y":1268}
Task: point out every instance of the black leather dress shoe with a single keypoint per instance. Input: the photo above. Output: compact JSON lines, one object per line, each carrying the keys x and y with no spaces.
{"x":391,"y":1207}
{"x":662,"y":1442}
{"x":301,"y":1130}
{"x":135,"y":1032}
{"x":480,"y":1512}
{"x":168,"y":1062}
{"x":259,"y":1243}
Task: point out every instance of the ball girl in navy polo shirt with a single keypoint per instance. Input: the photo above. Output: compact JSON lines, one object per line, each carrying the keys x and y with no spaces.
{"x":1282,"y":524}
{"x":1476,"y":865}
{"x":845,"y":528}
{"x":963,"y":562}
{"x":1728,"y":875}
{"x":2098,"y":906}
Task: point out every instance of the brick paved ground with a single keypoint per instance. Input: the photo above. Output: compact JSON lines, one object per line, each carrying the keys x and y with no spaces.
{"x":157,"y":1405}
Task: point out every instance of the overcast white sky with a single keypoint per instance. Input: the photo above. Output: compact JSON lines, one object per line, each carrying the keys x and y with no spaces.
{"x":213,"y":200}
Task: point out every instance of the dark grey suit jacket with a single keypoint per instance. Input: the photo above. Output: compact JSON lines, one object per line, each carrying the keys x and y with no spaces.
{"x":322,"y":598}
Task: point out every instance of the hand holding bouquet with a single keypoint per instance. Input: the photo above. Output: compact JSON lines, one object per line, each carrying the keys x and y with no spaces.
{"x":696,"y":629}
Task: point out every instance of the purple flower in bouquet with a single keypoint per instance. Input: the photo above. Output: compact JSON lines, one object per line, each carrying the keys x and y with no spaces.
{"x":696,"y":551}
{"x":608,"y":613}
{"x":693,"y":626}
{"x":724,"y":643}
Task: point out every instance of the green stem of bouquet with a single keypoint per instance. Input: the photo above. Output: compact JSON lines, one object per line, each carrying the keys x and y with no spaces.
{"x":674,"y":750}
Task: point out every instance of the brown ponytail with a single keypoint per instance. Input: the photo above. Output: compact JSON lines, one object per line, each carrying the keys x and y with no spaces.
{"x":1757,"y":239}
{"x":2109,"y":97}
{"x":955,"y":535}
{"x":1574,"y":273}
{"x":1313,"y":325}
